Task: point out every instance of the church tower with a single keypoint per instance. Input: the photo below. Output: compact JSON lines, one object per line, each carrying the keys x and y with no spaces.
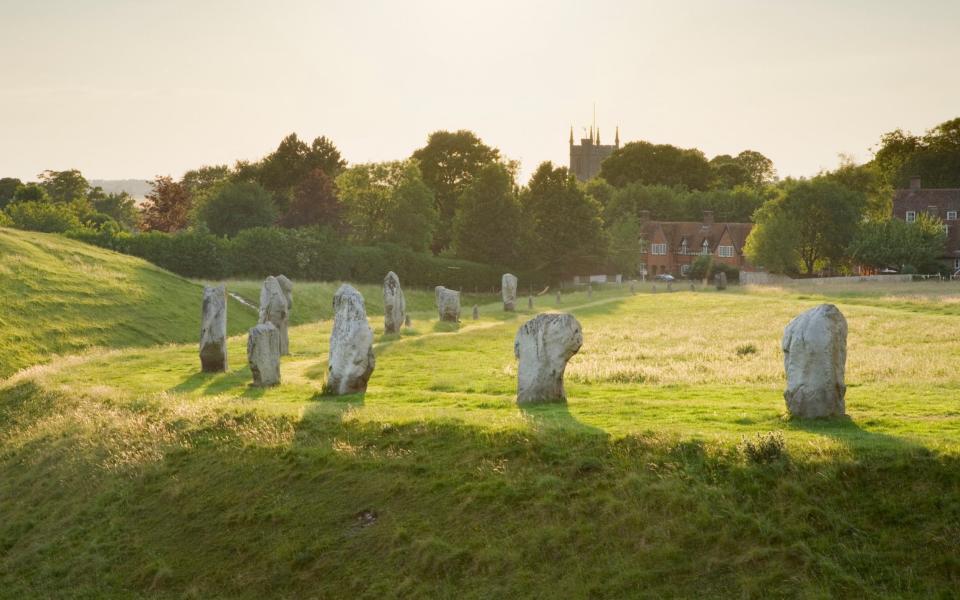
{"x":586,"y":157}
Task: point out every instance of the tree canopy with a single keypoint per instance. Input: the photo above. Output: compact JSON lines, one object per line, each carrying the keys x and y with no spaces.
{"x":315,"y":202}
{"x":488,"y":225}
{"x":167,"y":206}
{"x":934,"y":156}
{"x":565,"y":230}
{"x":657,"y":164}
{"x":236,"y":206}
{"x":449,"y":162}
{"x":901,"y":245}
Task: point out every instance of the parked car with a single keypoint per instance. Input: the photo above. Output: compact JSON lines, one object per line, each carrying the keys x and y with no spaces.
{"x":665,"y":277}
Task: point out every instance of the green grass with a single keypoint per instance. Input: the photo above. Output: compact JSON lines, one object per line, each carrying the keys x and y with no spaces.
{"x":126,"y":473}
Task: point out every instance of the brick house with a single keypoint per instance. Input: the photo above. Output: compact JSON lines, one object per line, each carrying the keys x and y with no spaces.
{"x":939,"y":202}
{"x":672,"y":246}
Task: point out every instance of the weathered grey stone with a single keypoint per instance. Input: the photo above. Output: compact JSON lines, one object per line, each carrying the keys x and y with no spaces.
{"x":543,"y":346}
{"x":275,"y":309}
{"x":559,"y":297}
{"x":351,"y":360}
{"x":632,"y":289}
{"x":476,"y":312}
{"x":530,"y":302}
{"x":693,"y":288}
{"x":815,"y":357}
{"x":407,"y":322}
{"x":669,"y":286}
{"x":213,"y":329}
{"x":287,"y":286}
{"x":508,"y":291}
{"x":448,"y":304}
{"x":720,"y":279}
{"x":263,"y":354}
{"x":394,"y":304}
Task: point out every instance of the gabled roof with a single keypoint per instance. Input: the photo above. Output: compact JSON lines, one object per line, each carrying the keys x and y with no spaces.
{"x":676,"y":231}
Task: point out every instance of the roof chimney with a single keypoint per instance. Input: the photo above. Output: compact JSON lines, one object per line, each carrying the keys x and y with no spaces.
{"x":708,"y":217}
{"x":914,"y":183}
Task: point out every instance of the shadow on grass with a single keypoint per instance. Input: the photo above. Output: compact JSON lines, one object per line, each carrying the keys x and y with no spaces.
{"x":555,"y":417}
{"x":446,"y":327}
{"x":213,"y":384}
{"x":858,"y":440}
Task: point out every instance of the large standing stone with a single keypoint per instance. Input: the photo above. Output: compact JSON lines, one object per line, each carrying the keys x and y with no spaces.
{"x":287,"y":287}
{"x":213,"y":329}
{"x":263,"y":354}
{"x":351,"y":359}
{"x":815,"y":357}
{"x":274,"y":309}
{"x":508,"y":291}
{"x":394,"y":305}
{"x":448,"y":304}
{"x":543,"y":346}
{"x":720,"y":279}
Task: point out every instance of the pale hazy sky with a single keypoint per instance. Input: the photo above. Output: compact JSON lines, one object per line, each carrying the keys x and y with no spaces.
{"x":140,"y":88}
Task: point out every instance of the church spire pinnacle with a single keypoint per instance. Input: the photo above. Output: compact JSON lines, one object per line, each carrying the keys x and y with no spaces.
{"x":616,"y":139}
{"x":571,"y":135}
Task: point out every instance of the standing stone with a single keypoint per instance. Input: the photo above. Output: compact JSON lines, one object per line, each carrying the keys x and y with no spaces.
{"x":654,"y":289}
{"x":559,"y":299}
{"x":263,"y":354}
{"x":530,"y":302}
{"x":508,"y":291}
{"x":351,"y":359}
{"x":543,"y":346}
{"x":448,"y":304}
{"x":476,"y":312}
{"x":720,"y":279}
{"x":213,"y":329}
{"x":287,"y":287}
{"x":394,"y":305}
{"x":815,"y":357}
{"x":407,"y":322}
{"x":669,"y":286}
{"x":274,"y":309}
{"x":590,"y":291}
{"x":693,"y":288}
{"x":632,"y":291}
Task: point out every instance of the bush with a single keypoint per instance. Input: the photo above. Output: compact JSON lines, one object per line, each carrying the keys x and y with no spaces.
{"x":43,"y":216}
{"x":238,"y":206}
{"x":765,"y":448}
{"x":5,"y":221}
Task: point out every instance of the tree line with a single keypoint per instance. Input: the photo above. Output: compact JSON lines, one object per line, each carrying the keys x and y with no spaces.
{"x":458,"y":197}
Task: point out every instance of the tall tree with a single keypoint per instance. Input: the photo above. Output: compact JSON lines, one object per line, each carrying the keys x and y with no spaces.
{"x":487,"y":227}
{"x":281,"y":171}
{"x":566,"y":231}
{"x":815,"y":218}
{"x":388,"y":202}
{"x":315,"y":202}
{"x":120,"y":207}
{"x":8,"y":187}
{"x":449,"y":162}
{"x":934,"y":156}
{"x":624,"y":249}
{"x":236,"y":206}
{"x":758,"y":168}
{"x":643,"y":162}
{"x":167,"y":206}
{"x":65,"y":186}
{"x":896,"y":243}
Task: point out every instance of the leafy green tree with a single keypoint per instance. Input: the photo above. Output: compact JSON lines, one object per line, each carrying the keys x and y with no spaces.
{"x":624,"y":252}
{"x":449,"y":162}
{"x":387,"y":202}
{"x":64,"y":186}
{"x":237,"y":206}
{"x":702,"y":268}
{"x":565,"y":229}
{"x":315,"y":202}
{"x":167,"y":206}
{"x":646,"y":163}
{"x":198,"y":181}
{"x":30,"y":192}
{"x":43,"y":216}
{"x":120,"y":207}
{"x":868,"y":180}
{"x":8,"y":186}
{"x":934,"y":157}
{"x":816,"y":219}
{"x":758,"y":168}
{"x":487,"y":227}
{"x":896,"y":243}
{"x":727,"y":172}
{"x":281,"y":171}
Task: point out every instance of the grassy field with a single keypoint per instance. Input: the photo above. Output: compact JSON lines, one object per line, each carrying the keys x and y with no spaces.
{"x":126,"y":473}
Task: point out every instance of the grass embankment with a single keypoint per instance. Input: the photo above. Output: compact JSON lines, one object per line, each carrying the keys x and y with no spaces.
{"x":128,"y":473}
{"x":60,"y":296}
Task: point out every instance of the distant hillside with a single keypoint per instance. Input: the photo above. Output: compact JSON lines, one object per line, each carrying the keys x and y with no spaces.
{"x":60,"y":296}
{"x":138,"y":188}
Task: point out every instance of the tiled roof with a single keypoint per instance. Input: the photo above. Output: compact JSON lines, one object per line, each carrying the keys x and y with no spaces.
{"x":695,"y":233}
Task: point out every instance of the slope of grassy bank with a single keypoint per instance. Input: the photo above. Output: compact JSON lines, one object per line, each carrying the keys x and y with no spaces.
{"x":129,"y":474}
{"x":60,"y":296}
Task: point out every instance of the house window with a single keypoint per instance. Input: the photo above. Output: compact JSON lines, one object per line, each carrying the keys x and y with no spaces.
{"x":706,"y":247}
{"x":951,"y":215}
{"x":956,"y":263}
{"x":684,"y":269}
{"x":658,"y":249}
{"x":911,"y":216}
{"x":725,"y":251}
{"x":683,"y":247}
